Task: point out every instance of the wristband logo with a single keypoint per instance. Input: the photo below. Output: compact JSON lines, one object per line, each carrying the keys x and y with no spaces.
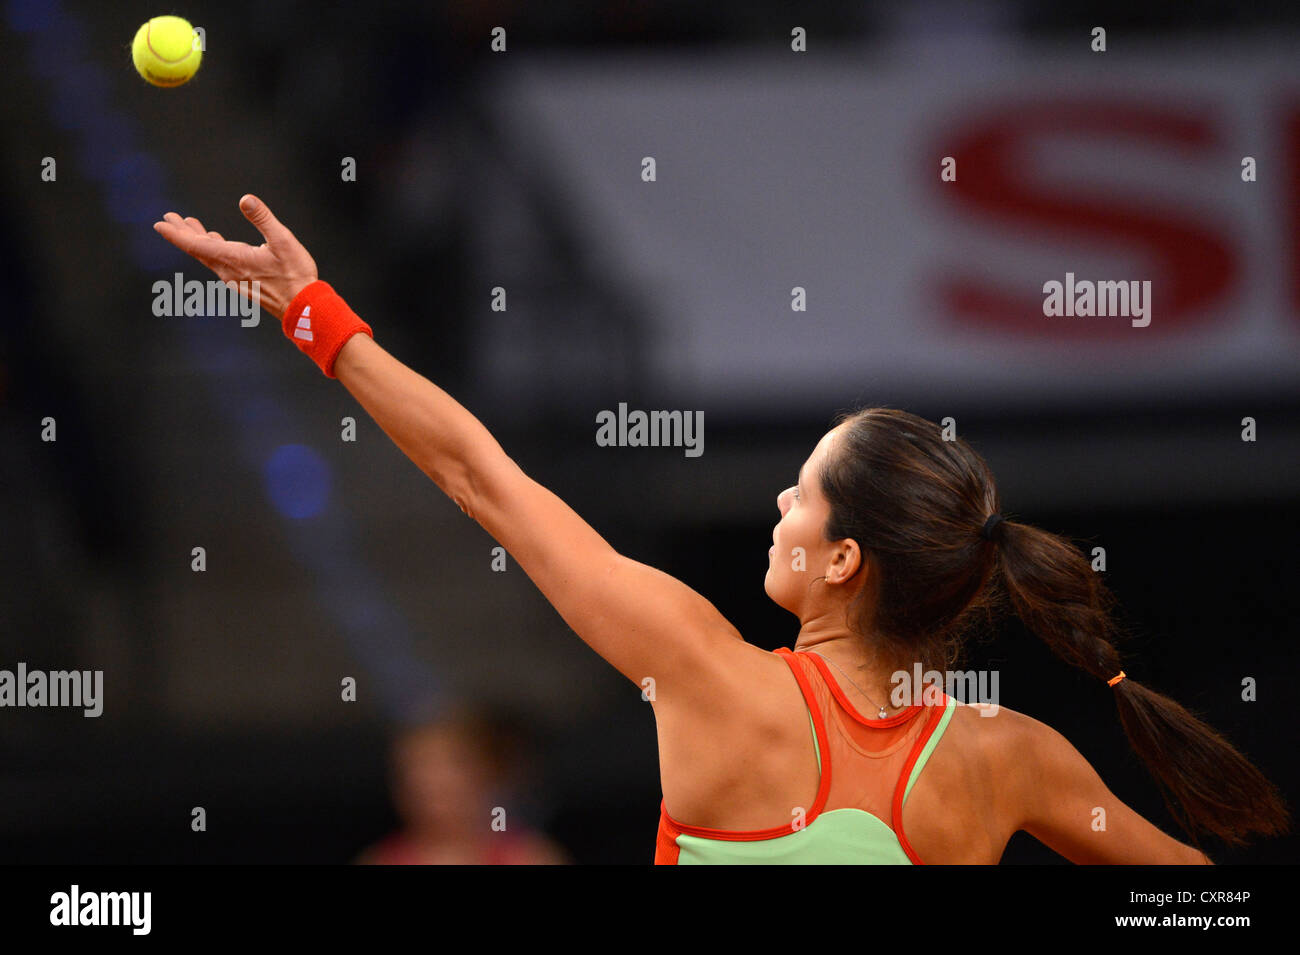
{"x":210,"y":299}
{"x":303,"y":331}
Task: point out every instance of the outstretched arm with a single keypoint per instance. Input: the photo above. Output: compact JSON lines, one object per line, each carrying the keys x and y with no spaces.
{"x":644,"y":622}
{"x":640,"y":619}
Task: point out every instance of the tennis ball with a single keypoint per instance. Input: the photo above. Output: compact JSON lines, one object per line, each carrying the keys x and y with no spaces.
{"x":166,"y":51}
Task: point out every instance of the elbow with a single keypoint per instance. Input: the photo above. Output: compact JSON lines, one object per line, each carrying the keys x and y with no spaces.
{"x":464,"y":491}
{"x":462,"y":502}
{"x":480,"y":489}
{"x":458,"y":481}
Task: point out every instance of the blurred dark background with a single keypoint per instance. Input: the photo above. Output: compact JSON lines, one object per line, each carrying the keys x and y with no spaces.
{"x":521,"y":170}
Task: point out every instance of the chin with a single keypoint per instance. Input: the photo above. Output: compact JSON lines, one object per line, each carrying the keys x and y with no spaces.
{"x":771,"y":594}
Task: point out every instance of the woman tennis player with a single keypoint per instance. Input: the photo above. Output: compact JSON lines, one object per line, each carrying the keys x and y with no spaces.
{"x":888,"y":545}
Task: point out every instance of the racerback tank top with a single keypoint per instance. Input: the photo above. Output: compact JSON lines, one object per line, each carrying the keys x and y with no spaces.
{"x":868,"y":767}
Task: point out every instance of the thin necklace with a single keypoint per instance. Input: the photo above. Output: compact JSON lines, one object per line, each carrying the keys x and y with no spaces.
{"x":880,"y":709}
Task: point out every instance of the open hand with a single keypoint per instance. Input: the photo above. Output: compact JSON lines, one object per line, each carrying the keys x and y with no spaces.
{"x":280,"y":265}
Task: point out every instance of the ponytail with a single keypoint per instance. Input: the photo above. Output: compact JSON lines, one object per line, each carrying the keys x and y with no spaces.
{"x":925,"y":511}
{"x":1207,"y":784}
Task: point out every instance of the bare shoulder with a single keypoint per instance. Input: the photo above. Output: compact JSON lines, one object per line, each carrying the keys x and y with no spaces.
{"x":1007,"y":745}
{"x":732,"y":679}
{"x":1027,"y":743}
{"x":724,"y":753}
{"x":735,"y":691}
{"x":1018,"y":748}
{"x":1006,"y":730}
{"x":996,"y":728}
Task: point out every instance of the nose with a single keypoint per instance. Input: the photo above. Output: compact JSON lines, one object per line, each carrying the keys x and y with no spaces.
{"x":783,"y":500}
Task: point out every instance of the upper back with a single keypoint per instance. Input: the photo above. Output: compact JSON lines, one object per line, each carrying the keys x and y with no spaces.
{"x":921,"y":785}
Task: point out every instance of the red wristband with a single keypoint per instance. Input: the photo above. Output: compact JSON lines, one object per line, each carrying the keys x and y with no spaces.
{"x":319,"y":322}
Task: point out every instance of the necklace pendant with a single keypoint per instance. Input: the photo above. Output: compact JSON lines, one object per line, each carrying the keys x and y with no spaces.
{"x":883,"y":714}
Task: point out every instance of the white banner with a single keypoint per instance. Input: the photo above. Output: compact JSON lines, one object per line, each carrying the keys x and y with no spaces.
{"x":1177,"y":173}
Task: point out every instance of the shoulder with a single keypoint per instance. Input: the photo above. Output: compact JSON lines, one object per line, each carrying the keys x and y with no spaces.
{"x":1011,"y":743}
{"x":750,"y":724}
{"x":732,"y":679}
{"x":1002,"y":723}
{"x":1028,"y":756}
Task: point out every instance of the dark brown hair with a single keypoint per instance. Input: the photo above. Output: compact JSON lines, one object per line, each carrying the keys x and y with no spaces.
{"x":915,"y":503}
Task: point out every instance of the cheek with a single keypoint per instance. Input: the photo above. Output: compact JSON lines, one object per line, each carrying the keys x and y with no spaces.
{"x":801,"y":531}
{"x":787,"y":539}
{"x":793,"y":527}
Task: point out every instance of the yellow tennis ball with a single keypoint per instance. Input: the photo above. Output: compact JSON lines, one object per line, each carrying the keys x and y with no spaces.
{"x":166,"y":51}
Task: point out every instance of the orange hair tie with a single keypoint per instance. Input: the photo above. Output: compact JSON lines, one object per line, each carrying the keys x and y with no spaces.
{"x":1115,"y":679}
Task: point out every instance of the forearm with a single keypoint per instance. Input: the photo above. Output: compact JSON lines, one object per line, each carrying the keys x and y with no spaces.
{"x":444,"y":440}
{"x":431,"y":428}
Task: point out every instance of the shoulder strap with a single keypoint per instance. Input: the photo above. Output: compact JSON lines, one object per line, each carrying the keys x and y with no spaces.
{"x":820,"y":739}
{"x":916,"y":760}
{"x":898,"y":719}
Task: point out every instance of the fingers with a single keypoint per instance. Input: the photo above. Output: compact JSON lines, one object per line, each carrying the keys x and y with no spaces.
{"x":279,"y":261}
{"x":173,"y":229}
{"x":256,"y":211}
{"x":180,"y":233}
{"x":194,"y":226}
{"x":207,"y":247}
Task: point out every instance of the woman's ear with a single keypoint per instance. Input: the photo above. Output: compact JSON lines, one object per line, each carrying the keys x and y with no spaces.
{"x":845,"y":563}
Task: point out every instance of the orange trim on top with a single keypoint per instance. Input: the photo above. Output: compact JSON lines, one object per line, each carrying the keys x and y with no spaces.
{"x":896,"y":812}
{"x":819,"y":724}
{"x":666,"y":849}
{"x":823,"y":788}
{"x":896,"y":720}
